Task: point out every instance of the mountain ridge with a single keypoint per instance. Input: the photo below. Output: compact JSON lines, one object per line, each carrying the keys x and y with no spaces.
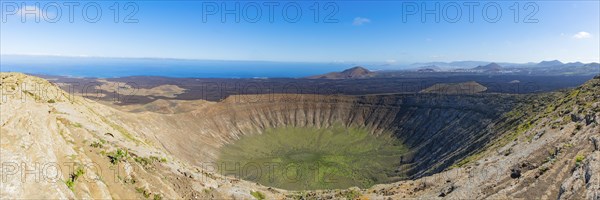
{"x":351,"y":73}
{"x":492,"y":67}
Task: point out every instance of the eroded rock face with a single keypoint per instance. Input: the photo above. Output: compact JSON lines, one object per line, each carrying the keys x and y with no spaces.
{"x":585,"y":181}
{"x":592,"y":176}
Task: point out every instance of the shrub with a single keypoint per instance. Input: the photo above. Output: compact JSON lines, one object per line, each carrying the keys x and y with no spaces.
{"x":552,"y":152}
{"x":568,"y":145}
{"x":96,"y":145}
{"x":73,"y":177}
{"x":78,"y":125}
{"x":70,"y":184}
{"x":352,"y":194}
{"x":579,"y":159}
{"x":258,"y":195}
{"x":139,"y":189}
{"x":117,"y":156}
{"x":79,"y":172}
{"x":143,"y":161}
{"x":149,"y":160}
{"x":143,"y":192}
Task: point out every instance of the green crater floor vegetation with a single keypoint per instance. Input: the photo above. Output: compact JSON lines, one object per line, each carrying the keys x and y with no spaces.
{"x":305,"y":158}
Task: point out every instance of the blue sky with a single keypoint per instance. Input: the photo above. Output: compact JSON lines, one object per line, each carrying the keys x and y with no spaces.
{"x":362,"y":31}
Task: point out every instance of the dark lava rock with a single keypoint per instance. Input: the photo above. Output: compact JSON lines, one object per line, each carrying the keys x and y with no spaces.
{"x":515,"y":172}
{"x":508,"y":151}
{"x":539,"y":134}
{"x":596,"y":142}
{"x":528,"y":166}
{"x":420,"y":187}
{"x":576,"y":117}
{"x":447,"y":189}
{"x":589,"y":119}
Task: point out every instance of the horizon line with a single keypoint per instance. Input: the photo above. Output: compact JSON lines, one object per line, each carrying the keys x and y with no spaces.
{"x":382,"y":63}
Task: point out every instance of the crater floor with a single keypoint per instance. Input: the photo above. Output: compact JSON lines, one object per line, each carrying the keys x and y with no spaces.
{"x":304,"y":158}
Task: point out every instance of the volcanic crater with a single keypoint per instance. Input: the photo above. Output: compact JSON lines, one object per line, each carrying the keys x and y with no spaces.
{"x":406,"y":136}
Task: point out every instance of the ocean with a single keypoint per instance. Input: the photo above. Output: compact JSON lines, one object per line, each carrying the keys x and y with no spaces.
{"x":122,"y":67}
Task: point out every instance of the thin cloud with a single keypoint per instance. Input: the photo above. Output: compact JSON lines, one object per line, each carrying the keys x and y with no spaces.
{"x":582,"y":35}
{"x":358,"y":21}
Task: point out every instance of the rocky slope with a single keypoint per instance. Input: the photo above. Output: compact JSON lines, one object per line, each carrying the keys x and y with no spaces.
{"x":461,"y":146}
{"x":55,"y":145}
